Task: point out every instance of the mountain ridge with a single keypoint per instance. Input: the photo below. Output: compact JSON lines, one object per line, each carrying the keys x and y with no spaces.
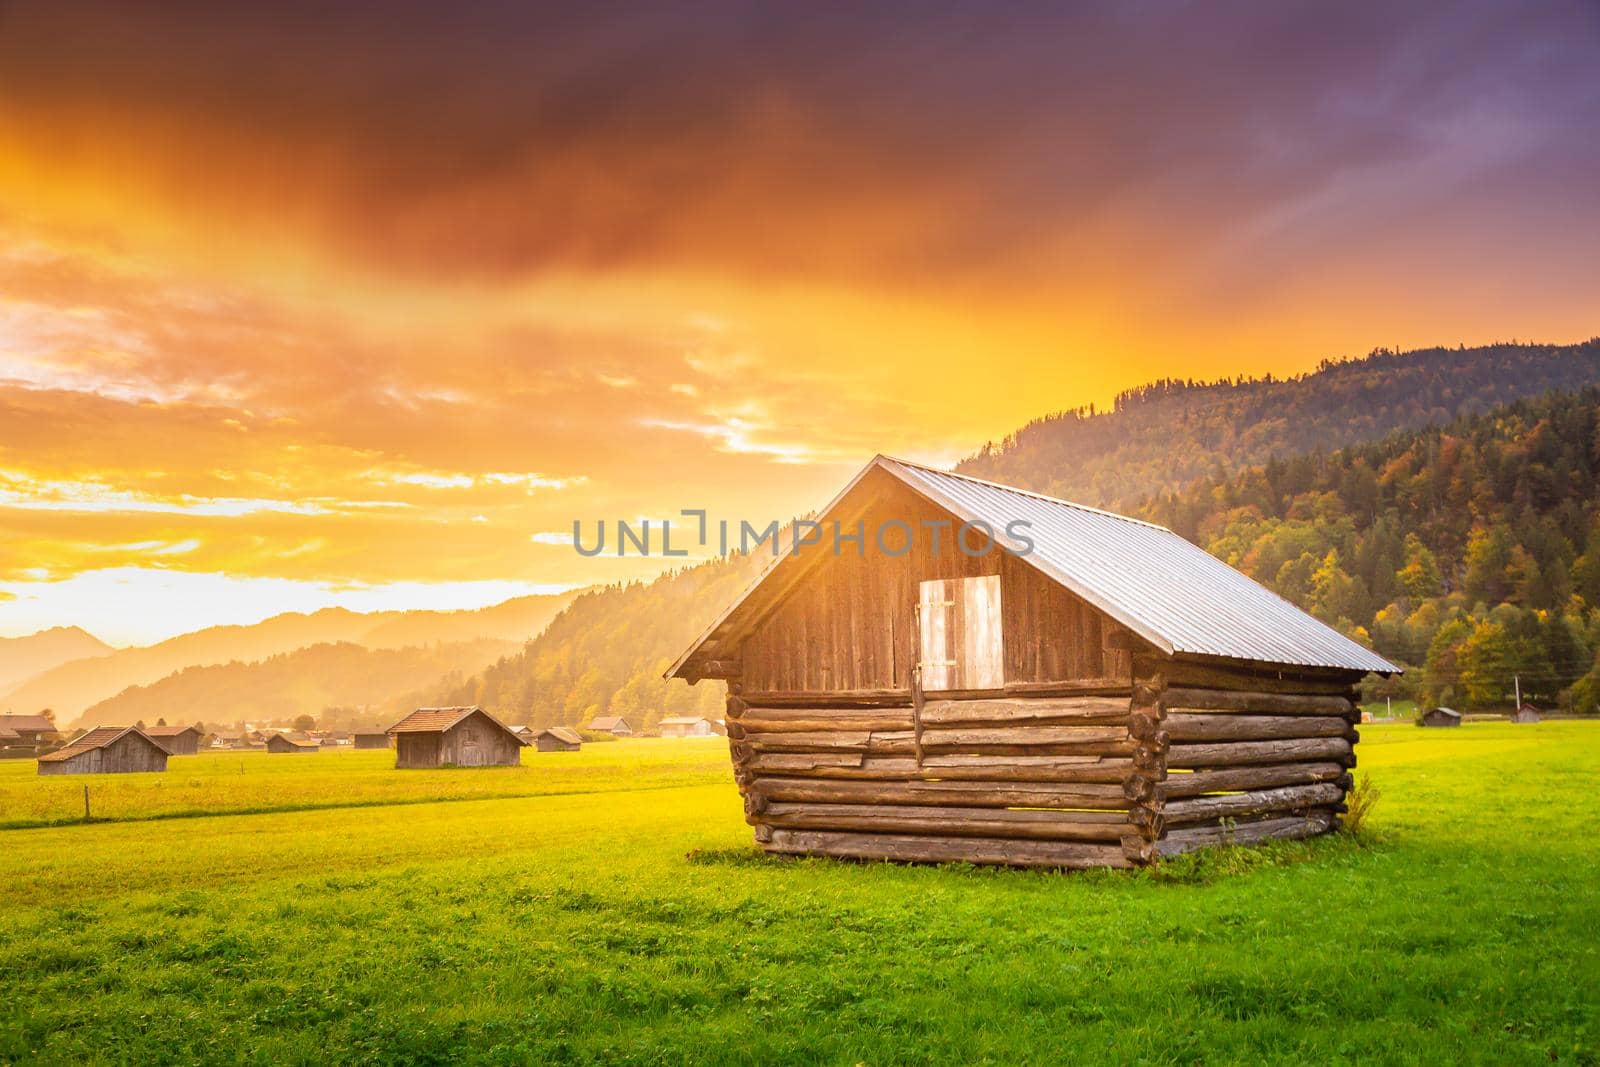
{"x":72,"y":686}
{"x":1170,"y":433}
{"x":28,"y":655}
{"x":359,"y":683}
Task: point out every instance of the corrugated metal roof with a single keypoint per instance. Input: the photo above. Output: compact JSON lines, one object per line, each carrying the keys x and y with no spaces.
{"x":1165,"y":589}
{"x":1170,"y":592}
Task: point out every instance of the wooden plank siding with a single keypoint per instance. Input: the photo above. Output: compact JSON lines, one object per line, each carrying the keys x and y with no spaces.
{"x":851,"y":625}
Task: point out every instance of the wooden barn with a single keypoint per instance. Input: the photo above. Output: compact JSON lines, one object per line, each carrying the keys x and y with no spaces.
{"x":557,"y":739}
{"x":686,"y":726}
{"x":370,"y":737}
{"x":1527,"y":713}
{"x":25,"y":736}
{"x":281,"y":743}
{"x":178,"y":740}
{"x":1440,"y":717}
{"x":615,"y":725}
{"x":459,"y":737}
{"x":1081,"y":690}
{"x":107,"y":750}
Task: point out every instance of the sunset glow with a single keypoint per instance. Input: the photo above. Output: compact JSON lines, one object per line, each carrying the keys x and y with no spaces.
{"x":302,"y":308}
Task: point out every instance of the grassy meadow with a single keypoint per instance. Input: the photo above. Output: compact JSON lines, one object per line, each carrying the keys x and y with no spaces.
{"x":609,"y":906}
{"x":256,"y":782}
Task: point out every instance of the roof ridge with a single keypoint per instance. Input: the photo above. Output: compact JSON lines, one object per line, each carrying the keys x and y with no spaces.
{"x":1023,"y":492}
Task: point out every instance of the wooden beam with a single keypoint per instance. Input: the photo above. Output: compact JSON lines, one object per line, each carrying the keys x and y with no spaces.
{"x":1285,"y":828}
{"x":1229,"y":754}
{"x":908,"y":848}
{"x":1206,"y":726}
{"x":950,"y":822}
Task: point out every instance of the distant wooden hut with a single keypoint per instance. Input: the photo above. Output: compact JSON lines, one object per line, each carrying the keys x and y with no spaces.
{"x":1527,"y":713}
{"x":989,"y":675}
{"x":686,"y":726}
{"x":283,"y":743}
{"x":557,"y":739}
{"x":461,"y":737}
{"x":107,"y":750}
{"x":178,"y":740}
{"x":369,"y":737}
{"x":524,"y":731}
{"x":22,"y":736}
{"x":615,"y":725}
{"x":1440,"y":717}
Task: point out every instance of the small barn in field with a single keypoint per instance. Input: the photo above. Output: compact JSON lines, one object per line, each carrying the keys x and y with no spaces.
{"x":178,"y":740}
{"x":686,"y":726}
{"x":615,"y":725}
{"x":283,"y":743}
{"x":1440,"y":717}
{"x":107,"y":750}
{"x":994,"y":676}
{"x":27,"y":735}
{"x":370,"y":737}
{"x":557,"y":739}
{"x":459,"y":737}
{"x":1527,"y":713}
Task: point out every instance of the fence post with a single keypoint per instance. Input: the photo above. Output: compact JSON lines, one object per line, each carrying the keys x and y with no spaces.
{"x":85,"y":803}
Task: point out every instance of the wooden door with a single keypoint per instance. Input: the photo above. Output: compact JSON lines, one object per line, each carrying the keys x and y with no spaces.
{"x":959,"y":636}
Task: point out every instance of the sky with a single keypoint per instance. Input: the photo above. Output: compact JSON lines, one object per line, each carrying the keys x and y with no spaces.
{"x":308,"y":304}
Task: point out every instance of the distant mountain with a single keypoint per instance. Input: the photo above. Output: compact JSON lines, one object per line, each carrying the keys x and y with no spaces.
{"x":23,"y":657}
{"x":73,"y":686}
{"x":606,"y":652}
{"x":1164,"y":436}
{"x":361,"y":682}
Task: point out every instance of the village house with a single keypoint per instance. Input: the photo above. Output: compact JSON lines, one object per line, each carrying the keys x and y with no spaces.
{"x":1527,"y":713}
{"x":558,"y":739}
{"x":686,"y":726}
{"x":1050,"y":685}
{"x":459,"y":737}
{"x":367,"y":737}
{"x":178,"y":740}
{"x":615,"y":725}
{"x":283,"y":743}
{"x":107,"y":750}
{"x":26,"y":735}
{"x":1440,"y":717}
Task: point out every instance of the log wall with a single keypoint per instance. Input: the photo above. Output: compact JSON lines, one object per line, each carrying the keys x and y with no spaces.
{"x":1251,"y":755}
{"x":1183,"y":757}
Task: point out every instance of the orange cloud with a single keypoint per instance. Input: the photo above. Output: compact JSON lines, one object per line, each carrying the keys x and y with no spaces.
{"x":332,"y":299}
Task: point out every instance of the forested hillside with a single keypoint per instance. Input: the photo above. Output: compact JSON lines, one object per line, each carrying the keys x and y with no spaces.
{"x":1471,"y":551}
{"x":1165,"y":435}
{"x":338,"y":684}
{"x":606,"y":653}
{"x":1423,"y":525}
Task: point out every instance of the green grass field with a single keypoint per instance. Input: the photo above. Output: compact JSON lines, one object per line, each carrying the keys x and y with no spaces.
{"x":610,"y":907}
{"x":255,"y":782}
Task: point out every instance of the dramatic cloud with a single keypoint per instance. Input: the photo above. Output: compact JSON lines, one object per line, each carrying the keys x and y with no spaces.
{"x":378,"y":294}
